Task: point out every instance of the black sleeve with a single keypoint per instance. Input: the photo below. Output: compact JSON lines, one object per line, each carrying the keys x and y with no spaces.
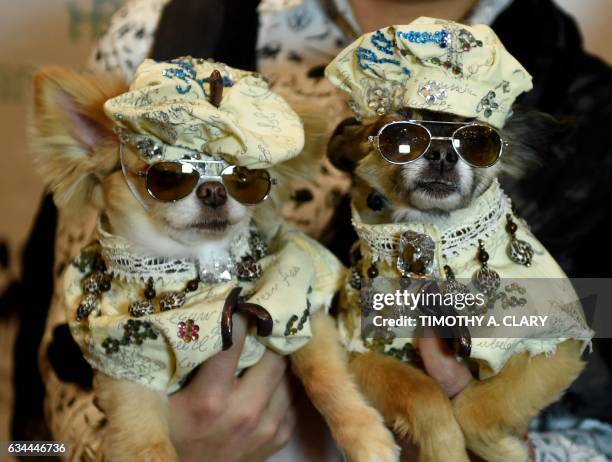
{"x":567,"y":201}
{"x":225,"y":30}
{"x":31,"y":297}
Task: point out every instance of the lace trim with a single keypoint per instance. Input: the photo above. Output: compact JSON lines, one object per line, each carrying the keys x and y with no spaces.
{"x":463,"y":237}
{"x":130,"y":265}
{"x":454,"y":234}
{"x":380,"y":246}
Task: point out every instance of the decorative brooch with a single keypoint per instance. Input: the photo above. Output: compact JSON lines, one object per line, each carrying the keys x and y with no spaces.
{"x":188,"y":331}
{"x":416,"y":255}
{"x":433,"y":92}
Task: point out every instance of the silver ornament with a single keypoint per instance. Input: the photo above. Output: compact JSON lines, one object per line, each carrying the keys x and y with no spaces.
{"x":91,"y":284}
{"x":248,"y":270}
{"x":433,"y":92}
{"x":171,"y":300}
{"x":149,"y":149}
{"x":455,"y":288}
{"x":258,"y":247}
{"x":141,"y":308}
{"x":416,"y":254}
{"x":355,"y":278}
{"x":87,"y":305}
{"x":520,"y":252}
{"x":486,"y":280}
{"x":379,"y":101}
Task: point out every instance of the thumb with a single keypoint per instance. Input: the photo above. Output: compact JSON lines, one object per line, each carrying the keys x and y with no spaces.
{"x":441,"y":365}
{"x":215,"y":377}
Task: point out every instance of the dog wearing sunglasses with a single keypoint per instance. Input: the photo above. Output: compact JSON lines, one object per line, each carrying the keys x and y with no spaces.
{"x":417,"y":165}
{"x":184,"y":209}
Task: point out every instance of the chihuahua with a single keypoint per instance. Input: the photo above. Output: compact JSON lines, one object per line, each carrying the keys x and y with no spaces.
{"x":77,"y":152}
{"x":491,"y":415}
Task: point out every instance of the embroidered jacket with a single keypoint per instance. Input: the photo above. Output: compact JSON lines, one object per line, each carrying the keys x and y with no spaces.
{"x":542,"y":289}
{"x":160,"y":350}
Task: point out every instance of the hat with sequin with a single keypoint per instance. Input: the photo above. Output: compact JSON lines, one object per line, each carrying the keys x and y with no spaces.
{"x":430,"y":64}
{"x":194,"y":108}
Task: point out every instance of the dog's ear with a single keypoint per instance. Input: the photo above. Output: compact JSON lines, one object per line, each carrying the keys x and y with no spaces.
{"x":529,"y":134}
{"x":72,"y":140}
{"x":349,"y":142}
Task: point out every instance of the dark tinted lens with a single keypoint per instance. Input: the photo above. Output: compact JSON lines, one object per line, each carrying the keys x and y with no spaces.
{"x":478,"y":144}
{"x":402,"y":142}
{"x":170,"y":181}
{"x":245,"y":185}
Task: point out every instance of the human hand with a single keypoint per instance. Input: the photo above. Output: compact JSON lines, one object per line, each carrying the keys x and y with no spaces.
{"x":441,"y":364}
{"x":218,"y":416}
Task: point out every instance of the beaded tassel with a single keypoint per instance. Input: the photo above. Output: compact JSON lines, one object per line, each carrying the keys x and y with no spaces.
{"x":518,"y":250}
{"x":485,"y":279}
{"x":452,"y":286}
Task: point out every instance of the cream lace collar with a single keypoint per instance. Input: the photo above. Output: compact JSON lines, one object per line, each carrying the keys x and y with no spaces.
{"x":130,"y":264}
{"x":453,"y":234}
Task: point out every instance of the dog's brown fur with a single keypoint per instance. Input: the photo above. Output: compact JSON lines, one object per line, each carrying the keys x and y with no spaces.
{"x":323,"y":367}
{"x":82,"y":170}
{"x":490,"y":417}
{"x":494,"y":413}
{"x":412,"y":404}
{"x":134,"y":432}
{"x":72,"y":169}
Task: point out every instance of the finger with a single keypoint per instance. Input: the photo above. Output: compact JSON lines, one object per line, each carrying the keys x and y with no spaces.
{"x":273,"y":415}
{"x":442,"y":366}
{"x":280,"y":401}
{"x":216,"y":376}
{"x":264,"y":409}
{"x":272,"y":437}
{"x":259,"y":382}
{"x":285,"y":429}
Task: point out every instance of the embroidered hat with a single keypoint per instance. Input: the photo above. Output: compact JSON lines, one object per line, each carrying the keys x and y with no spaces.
{"x":180,"y":108}
{"x":430,"y":64}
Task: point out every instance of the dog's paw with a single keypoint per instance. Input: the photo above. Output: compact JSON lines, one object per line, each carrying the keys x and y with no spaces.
{"x":498,"y":448}
{"x":365,"y":438}
{"x":443,"y":442}
{"x":487,"y":437}
{"x":162,"y":451}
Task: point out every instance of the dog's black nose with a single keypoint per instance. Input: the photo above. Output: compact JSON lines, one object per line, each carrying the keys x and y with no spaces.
{"x":212,"y":193}
{"x":441,"y":159}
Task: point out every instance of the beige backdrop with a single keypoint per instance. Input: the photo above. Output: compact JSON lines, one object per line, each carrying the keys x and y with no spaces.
{"x":43,"y":32}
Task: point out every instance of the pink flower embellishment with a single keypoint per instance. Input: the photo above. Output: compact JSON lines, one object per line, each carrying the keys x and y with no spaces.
{"x":188,"y":330}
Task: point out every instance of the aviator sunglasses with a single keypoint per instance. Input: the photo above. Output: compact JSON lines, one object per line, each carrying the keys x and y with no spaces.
{"x":404,"y":141}
{"x":171,"y":181}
